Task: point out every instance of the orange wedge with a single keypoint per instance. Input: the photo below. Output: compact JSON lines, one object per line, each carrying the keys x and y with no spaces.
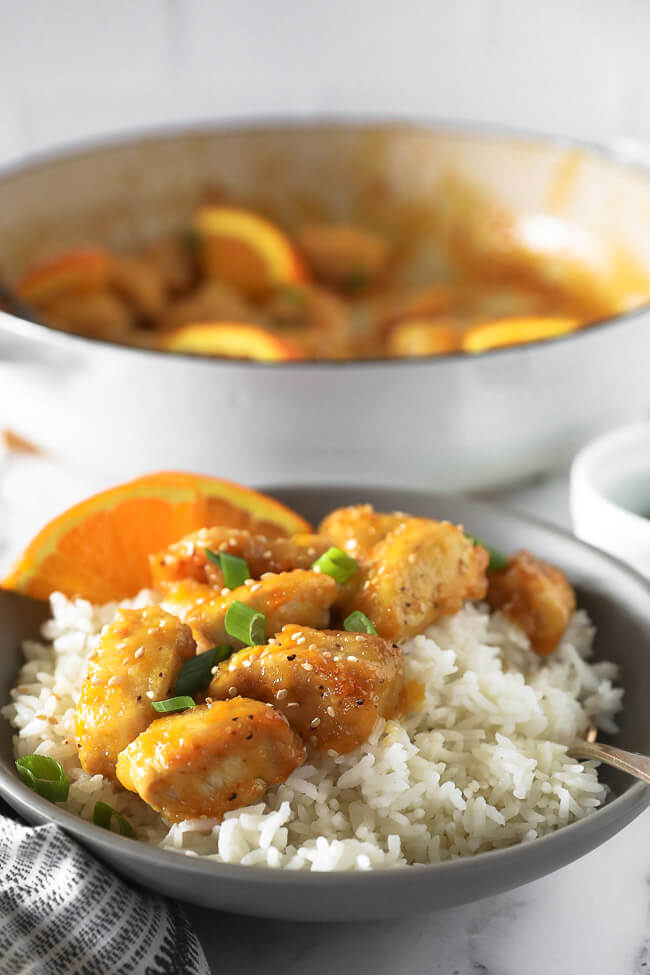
{"x":247,"y":251}
{"x":98,"y":549}
{"x":75,"y":272}
{"x":232,"y":340}
{"x":514,"y":331}
{"x":417,"y":336}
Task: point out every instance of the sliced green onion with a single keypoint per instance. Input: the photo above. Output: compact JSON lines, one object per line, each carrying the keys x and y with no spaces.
{"x":181,"y":703}
{"x":337,"y":564}
{"x":44,"y":775}
{"x":194,"y":675}
{"x":358,"y":622}
{"x":235,"y":570}
{"x":245,"y":623}
{"x":103,"y":814}
{"x":498,"y":559}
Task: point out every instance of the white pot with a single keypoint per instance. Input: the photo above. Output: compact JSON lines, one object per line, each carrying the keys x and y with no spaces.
{"x":450,"y":422}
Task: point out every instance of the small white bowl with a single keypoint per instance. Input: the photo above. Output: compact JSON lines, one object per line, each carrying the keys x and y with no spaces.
{"x":610,"y":494}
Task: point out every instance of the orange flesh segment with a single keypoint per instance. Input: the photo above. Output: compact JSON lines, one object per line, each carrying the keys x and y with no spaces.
{"x":99,"y":548}
{"x":247,"y":251}
{"x":232,"y":340}
{"x":513,"y":331}
{"x":73,"y":273}
{"x":419,"y":337}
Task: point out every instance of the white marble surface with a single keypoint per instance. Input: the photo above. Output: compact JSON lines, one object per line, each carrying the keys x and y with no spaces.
{"x":591,"y":918}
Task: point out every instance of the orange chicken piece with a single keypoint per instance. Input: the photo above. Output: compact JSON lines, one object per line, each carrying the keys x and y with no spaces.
{"x":536,"y":596}
{"x":187,"y":559}
{"x":136,"y":662}
{"x":288,"y":597}
{"x":210,"y":759}
{"x":421,"y":570}
{"x":331,"y":686}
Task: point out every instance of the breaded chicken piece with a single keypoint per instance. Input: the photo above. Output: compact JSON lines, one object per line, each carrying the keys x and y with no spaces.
{"x":536,"y":596}
{"x":331,"y":686}
{"x":187,"y":558}
{"x":343,"y":255}
{"x":210,"y":759}
{"x":422,"y":570}
{"x":136,"y":662}
{"x":357,"y":528}
{"x":288,"y":597}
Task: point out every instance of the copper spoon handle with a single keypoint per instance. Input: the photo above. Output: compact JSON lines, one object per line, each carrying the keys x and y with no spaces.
{"x":630,"y":762}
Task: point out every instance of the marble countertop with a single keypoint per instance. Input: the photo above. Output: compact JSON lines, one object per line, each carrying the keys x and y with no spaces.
{"x":590,"y":918}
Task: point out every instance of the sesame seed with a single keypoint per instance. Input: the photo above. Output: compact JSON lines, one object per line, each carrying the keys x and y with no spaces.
{"x":258,"y":585}
{"x":297,"y":635}
{"x":213,"y":670}
{"x":232,"y":691}
{"x":139,"y":653}
{"x":246,"y":663}
{"x":266,"y":575}
{"x":307,"y":666}
{"x":352,"y":658}
{"x":315,"y":722}
{"x":311,"y":550}
{"x":337,"y":657}
{"x":326,"y":653}
{"x":225,"y":591}
{"x":292,"y":704}
{"x":249,"y":582}
{"x":381,"y":570}
{"x":282,"y":693}
{"x":315,"y":568}
{"x":114,"y":680}
{"x":232,"y":667}
{"x":331,"y":712}
{"x":301,"y":640}
{"x":268,"y":553}
{"x":350,"y":544}
{"x":313,"y":646}
{"x":150,"y":695}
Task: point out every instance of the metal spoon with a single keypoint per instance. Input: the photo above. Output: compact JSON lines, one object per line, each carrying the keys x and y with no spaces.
{"x":630,"y":762}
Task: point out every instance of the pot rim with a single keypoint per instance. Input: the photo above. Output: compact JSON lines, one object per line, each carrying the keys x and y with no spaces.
{"x":172,"y":131}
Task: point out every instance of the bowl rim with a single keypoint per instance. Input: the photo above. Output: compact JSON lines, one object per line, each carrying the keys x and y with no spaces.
{"x":621,"y":809}
{"x":172,"y":131}
{"x":594,"y":455}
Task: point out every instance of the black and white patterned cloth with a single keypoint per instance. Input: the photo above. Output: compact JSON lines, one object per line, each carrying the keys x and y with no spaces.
{"x":64,"y":912}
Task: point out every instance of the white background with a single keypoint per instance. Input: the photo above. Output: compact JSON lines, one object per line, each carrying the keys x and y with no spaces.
{"x":73,"y":69}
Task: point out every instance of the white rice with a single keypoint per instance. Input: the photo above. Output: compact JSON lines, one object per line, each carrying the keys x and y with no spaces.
{"x":482,"y":764}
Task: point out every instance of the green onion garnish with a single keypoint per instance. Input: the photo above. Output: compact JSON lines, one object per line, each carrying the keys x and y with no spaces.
{"x":44,"y":775}
{"x":245,"y":623}
{"x":181,"y":703}
{"x":335,"y":563}
{"x":194,"y":675}
{"x":103,"y":814}
{"x":235,"y":570}
{"x":498,"y":559}
{"x":358,"y":622}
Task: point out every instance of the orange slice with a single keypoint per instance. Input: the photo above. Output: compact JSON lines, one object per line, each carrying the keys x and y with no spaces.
{"x":98,"y":549}
{"x":72,"y":273}
{"x":247,"y":251}
{"x":232,"y":340}
{"x":417,"y":337}
{"x":514,"y":331}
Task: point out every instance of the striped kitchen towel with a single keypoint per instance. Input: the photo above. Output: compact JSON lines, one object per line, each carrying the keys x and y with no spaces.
{"x":64,"y":912}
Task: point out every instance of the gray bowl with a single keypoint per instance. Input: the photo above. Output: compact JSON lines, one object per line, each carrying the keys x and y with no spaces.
{"x":617,"y":601}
